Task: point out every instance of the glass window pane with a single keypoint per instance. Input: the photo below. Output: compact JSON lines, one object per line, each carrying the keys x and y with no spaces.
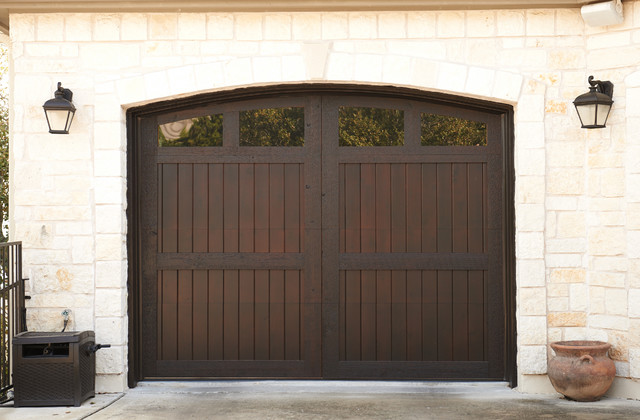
{"x":371,"y":126}
{"x":272,"y":127}
{"x":442,"y":130}
{"x":194,"y":132}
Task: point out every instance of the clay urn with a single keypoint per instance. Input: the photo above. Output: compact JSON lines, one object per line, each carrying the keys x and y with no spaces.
{"x":581,"y":370}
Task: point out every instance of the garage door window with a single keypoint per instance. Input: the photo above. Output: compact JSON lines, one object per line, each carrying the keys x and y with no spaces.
{"x":443,"y":130}
{"x":205,"y":131}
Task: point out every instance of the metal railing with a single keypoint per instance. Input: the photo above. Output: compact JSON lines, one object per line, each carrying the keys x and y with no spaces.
{"x":12,"y":309}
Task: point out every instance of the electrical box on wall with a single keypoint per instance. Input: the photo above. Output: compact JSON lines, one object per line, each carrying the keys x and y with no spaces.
{"x":603,"y":14}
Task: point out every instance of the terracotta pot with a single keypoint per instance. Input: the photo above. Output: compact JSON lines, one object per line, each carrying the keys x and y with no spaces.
{"x":581,"y":370}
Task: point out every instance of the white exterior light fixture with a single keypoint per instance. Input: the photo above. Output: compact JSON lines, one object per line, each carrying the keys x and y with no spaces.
{"x":603,"y":14}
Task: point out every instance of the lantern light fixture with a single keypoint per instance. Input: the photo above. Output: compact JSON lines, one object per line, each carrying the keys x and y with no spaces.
{"x":593,"y":107}
{"x":60,"y":111}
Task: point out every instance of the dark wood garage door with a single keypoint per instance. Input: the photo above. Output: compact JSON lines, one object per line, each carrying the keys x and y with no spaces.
{"x":322,"y":235}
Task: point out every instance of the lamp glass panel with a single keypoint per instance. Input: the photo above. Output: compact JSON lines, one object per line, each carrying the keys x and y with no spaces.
{"x":587,"y":114}
{"x":603,"y":113}
{"x":58,"y":119}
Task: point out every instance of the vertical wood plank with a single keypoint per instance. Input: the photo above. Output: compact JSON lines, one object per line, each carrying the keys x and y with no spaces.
{"x":185,"y":207}
{"x":169,"y":315}
{"x":460,"y":315}
{"x":352,"y":207}
{"x":429,"y":198}
{"x":200,"y":208}
{"x":342,"y":315}
{"x":276,"y":207}
{"x":276,"y":315}
{"x":414,"y":315}
{"x":414,"y":208}
{"x":291,"y":207}
{"x":262,"y":207}
{"x":429,"y":315}
{"x":445,"y":316}
{"x":398,"y":208}
{"x":246,"y":208}
{"x":383,"y":207}
{"x":342,"y":224}
{"x":477,"y":326}
{"x":476,"y":208}
{"x":246,"y":315}
{"x":230,"y":207}
{"x":383,"y":315}
{"x":368,"y":316}
{"x":200,"y":313}
{"x":216,"y":208}
{"x":262,"y":315}
{"x":399,"y":315}
{"x":368,"y":207}
{"x":231,"y":324}
{"x":352,"y":315}
{"x":216,"y":314}
{"x":445,"y":240}
{"x":460,"y":207}
{"x":185,"y":315}
{"x":292,"y":315}
{"x":169,"y":208}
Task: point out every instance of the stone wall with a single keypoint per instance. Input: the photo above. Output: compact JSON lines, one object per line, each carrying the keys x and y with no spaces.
{"x":577,"y":191}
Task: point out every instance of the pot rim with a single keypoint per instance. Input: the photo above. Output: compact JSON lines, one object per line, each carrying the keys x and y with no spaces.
{"x":581,"y":345}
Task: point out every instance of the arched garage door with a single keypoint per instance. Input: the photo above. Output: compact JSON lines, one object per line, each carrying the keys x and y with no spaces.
{"x":316,"y":233}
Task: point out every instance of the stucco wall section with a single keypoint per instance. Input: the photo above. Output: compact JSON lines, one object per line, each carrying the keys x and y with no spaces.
{"x":577,"y":191}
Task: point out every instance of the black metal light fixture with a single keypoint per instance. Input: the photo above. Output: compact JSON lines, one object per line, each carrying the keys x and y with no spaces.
{"x":59,"y":111}
{"x":593,"y":107}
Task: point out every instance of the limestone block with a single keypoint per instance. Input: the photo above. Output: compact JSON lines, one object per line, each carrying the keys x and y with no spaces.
{"x":396,"y":70}
{"x":181,"y":80}
{"x":510,"y":23}
{"x":634,"y":303}
{"x":481,"y":23}
{"x":110,"y":219}
{"x":42,"y":50}
{"x":110,"y":302}
{"x":163,"y":26}
{"x":392,"y":25}
{"x":368,"y":67}
{"x":111,"y":274}
{"x":110,"y":247}
{"x":531,"y":162}
{"x":452,"y":77}
{"x":574,"y":333}
{"x":567,"y":181}
{"x":509,"y":87}
{"x":111,"y":383}
{"x":616,"y":301}
{"x":220,"y":26}
{"x":208,"y":75}
{"x":306,"y":26}
{"x":450,"y":24}
{"x":192,"y":26}
{"x":609,"y":322}
{"x":421,"y":25}
{"x":607,"y":279}
{"x":109,"y":163}
{"x":425,"y":73}
{"x":22,"y":27}
{"x":568,"y":275}
{"x":634,"y":363}
{"x":566,"y":154}
{"x":110,"y":190}
{"x":362,"y":26}
{"x":133,"y":27}
{"x":578,"y":297}
{"x":111,"y":330}
{"x":532,"y":301}
{"x":564,"y":260}
{"x":532,"y":359}
{"x":530,"y":190}
{"x":335,"y":26}
{"x":532,"y":330}
{"x":607,"y":241}
{"x":530,"y":245}
{"x":82,"y":251}
{"x":569,"y":22}
{"x":571,"y":245}
{"x":615,"y":58}
{"x":109,"y":56}
{"x":295,"y":68}
{"x":480,"y":81}
{"x":567,"y":319}
{"x":557,"y":289}
{"x":267,"y":69}
{"x":72,"y":228}
{"x":555,"y":334}
{"x":571,"y":225}
{"x":106,"y":27}
{"x":530,"y":217}
{"x":340,"y":66}
{"x":540,"y":22}
{"x":531,"y":108}
{"x":277,"y":27}
{"x":633,"y":188}
{"x":238,"y":71}
{"x":530,"y":273}
{"x":530,"y":135}
{"x":110,"y":360}
{"x":50,"y":27}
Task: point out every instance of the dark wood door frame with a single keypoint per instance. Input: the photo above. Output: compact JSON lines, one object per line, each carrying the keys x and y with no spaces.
{"x":504,"y":113}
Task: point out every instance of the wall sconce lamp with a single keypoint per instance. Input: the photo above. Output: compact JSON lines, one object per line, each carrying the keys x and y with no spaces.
{"x":593,"y":107}
{"x":59,"y":111}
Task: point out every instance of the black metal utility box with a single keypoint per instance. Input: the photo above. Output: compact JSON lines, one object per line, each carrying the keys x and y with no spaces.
{"x":53,"y":368}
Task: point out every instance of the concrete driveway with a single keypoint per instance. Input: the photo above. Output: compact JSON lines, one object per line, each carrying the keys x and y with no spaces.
{"x":327,"y":400}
